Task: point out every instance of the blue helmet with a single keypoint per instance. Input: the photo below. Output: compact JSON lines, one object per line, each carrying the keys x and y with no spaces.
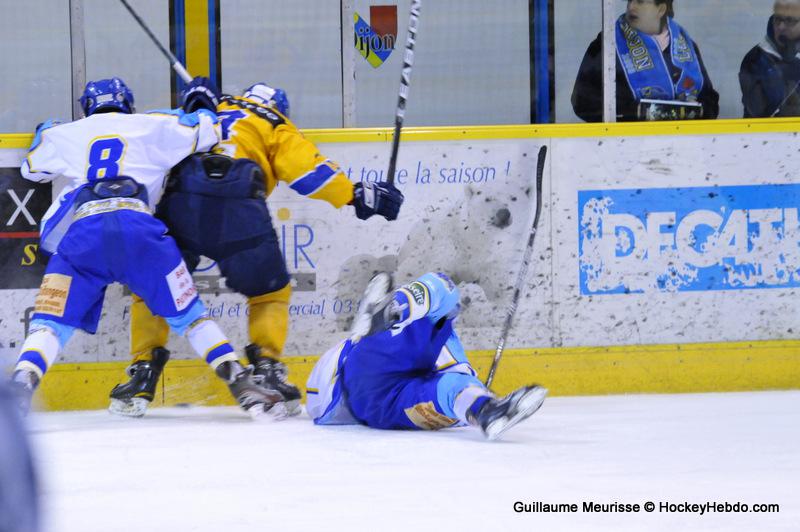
{"x":266,"y":95}
{"x":107,"y":95}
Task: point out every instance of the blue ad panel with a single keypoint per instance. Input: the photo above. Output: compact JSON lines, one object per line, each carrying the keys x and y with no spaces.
{"x":689,"y":239}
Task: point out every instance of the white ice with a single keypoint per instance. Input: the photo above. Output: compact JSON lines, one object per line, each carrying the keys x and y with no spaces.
{"x":213,"y":469}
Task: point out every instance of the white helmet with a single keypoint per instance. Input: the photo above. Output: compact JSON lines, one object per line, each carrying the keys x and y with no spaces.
{"x":268,"y":96}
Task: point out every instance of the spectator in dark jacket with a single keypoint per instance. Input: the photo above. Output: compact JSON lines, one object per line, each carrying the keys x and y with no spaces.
{"x":656,"y":59}
{"x":770,"y":72}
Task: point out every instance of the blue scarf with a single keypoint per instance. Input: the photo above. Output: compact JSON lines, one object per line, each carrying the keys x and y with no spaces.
{"x":645,"y":69}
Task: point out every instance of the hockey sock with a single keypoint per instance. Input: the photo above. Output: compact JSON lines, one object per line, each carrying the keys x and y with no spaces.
{"x":147,"y":331}
{"x":470,"y":400}
{"x":476,"y":406}
{"x":39,"y":351}
{"x":210,"y":343}
{"x":268,"y":321}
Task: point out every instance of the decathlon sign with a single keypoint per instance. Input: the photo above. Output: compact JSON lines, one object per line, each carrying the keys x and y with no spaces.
{"x":689,"y":239}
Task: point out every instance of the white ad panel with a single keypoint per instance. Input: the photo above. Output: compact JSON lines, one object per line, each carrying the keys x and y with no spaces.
{"x":678,"y":239}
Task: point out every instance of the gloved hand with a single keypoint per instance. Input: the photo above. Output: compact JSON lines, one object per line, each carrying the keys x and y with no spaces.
{"x":377,"y":198}
{"x":201,"y":93}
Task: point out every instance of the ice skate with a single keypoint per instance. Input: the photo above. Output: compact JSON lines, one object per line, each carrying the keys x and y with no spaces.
{"x":133,"y":397}
{"x":370,"y":316}
{"x":498,"y":415}
{"x":273,"y":376}
{"x":254,"y":399}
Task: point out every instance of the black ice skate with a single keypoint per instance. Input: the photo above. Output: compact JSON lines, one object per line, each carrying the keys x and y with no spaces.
{"x":23,"y":383}
{"x":132,"y":398}
{"x":375,"y":312}
{"x":498,"y":415}
{"x":272,"y":374}
{"x":253,"y":398}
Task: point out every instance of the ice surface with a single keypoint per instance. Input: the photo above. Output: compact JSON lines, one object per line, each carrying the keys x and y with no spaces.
{"x":213,"y":469}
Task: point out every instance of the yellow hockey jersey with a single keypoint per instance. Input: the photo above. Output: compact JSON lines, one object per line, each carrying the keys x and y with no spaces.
{"x":259,"y":133}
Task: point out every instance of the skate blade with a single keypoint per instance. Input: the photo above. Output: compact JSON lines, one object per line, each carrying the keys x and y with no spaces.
{"x":268,"y":413}
{"x":135,"y":407}
{"x":293,"y":407}
{"x":530,"y":403}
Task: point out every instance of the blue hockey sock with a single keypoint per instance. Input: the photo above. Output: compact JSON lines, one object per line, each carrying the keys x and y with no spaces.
{"x":476,"y":406}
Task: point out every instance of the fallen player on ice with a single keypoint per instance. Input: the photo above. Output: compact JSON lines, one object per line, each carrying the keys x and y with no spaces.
{"x":405,"y":368}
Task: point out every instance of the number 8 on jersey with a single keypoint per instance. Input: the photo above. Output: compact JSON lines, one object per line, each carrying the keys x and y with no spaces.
{"x":105,"y":155}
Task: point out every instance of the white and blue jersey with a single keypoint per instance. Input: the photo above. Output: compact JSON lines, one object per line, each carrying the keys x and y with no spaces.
{"x":142,"y":146}
{"x":414,"y":375}
{"x":96,"y":240}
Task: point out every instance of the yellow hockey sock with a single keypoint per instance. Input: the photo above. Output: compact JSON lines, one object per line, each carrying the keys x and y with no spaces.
{"x":269,"y":320}
{"x":147,"y":331}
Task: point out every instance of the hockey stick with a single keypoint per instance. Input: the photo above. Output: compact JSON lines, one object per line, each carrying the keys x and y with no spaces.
{"x":523,"y":269}
{"x":173,"y":61}
{"x":405,"y":79}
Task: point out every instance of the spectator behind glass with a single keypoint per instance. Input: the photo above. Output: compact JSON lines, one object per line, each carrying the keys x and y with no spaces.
{"x":770,"y":72}
{"x":677,"y":73}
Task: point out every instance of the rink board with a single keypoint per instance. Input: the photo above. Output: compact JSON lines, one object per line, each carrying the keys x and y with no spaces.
{"x":683,"y":368}
{"x":675,"y":244}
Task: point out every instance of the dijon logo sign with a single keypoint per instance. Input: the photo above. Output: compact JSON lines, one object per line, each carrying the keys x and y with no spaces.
{"x":375,"y":39}
{"x":689,"y":239}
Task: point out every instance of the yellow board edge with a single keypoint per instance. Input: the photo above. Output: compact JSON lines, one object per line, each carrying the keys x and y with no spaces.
{"x":454,"y":133}
{"x":565,"y":371}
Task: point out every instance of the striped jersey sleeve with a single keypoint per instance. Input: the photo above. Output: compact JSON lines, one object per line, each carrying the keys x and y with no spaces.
{"x":298,"y":163}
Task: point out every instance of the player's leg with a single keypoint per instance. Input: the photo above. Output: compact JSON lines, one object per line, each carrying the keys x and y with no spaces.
{"x":495,"y":415}
{"x":148,"y":339}
{"x":405,"y":330}
{"x":437,"y":400}
{"x":68,"y":299}
{"x":259,"y":272}
{"x":149,"y":333}
{"x":156,"y":271}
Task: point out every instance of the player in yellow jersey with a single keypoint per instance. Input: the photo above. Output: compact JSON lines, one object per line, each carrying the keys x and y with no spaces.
{"x":214,"y":206}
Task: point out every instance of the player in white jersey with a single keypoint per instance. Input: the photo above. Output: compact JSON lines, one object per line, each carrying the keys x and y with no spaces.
{"x":112,"y":165}
{"x":405,"y":368}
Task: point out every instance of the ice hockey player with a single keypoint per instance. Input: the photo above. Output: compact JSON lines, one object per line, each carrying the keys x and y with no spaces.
{"x":100,"y":229}
{"x":404,"y":367}
{"x":214,"y":207}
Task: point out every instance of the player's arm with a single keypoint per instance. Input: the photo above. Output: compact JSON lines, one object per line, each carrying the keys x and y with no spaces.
{"x":182,"y":134}
{"x":42,"y":164}
{"x":297,"y":162}
{"x":199,"y":101}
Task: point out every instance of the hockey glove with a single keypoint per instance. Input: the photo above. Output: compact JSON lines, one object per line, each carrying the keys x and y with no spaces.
{"x":200,"y":94}
{"x":377,"y":198}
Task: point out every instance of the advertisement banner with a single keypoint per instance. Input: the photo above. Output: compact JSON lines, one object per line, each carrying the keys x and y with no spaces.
{"x":689,"y":239}
{"x":22,"y":204}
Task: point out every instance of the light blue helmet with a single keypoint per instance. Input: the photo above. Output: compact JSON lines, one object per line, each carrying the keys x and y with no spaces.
{"x":107,"y":95}
{"x":271,"y":97}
